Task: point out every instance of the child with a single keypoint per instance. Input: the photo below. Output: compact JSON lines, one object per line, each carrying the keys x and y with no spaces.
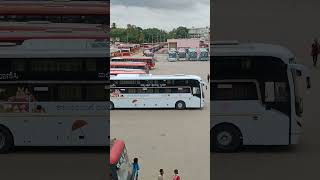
{"x":160,"y":177}
{"x":176,"y":175}
{"x":135,"y":169}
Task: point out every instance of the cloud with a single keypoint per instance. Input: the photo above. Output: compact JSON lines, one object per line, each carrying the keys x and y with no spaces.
{"x":161,"y":4}
{"x":190,"y":13}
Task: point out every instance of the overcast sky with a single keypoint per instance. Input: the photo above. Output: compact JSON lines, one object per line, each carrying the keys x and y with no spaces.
{"x":163,"y":14}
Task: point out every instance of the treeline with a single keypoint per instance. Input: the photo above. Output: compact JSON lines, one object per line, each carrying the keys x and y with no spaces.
{"x":135,"y":34}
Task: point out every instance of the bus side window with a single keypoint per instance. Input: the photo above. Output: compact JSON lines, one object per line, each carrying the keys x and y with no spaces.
{"x":167,"y":90}
{"x":156,"y":90}
{"x":161,"y":90}
{"x":41,"y":93}
{"x":131,"y":90}
{"x":235,"y":91}
{"x":95,"y":93}
{"x":69,"y":93}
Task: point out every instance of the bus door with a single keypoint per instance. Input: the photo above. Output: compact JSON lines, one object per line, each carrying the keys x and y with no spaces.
{"x":196,"y":91}
{"x":276,"y":121}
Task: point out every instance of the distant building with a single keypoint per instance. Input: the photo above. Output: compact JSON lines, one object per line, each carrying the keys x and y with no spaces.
{"x":202,"y":33}
{"x":185,"y":43}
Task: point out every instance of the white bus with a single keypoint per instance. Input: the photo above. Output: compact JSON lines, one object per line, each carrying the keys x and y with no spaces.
{"x":53,"y":94}
{"x":156,"y":91}
{"x":256,"y":96}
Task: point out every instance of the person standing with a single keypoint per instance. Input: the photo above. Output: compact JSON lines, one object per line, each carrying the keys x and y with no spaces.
{"x":135,"y":169}
{"x":160,"y":177}
{"x":208,"y":78}
{"x":176,"y":175}
{"x":315,"y":48}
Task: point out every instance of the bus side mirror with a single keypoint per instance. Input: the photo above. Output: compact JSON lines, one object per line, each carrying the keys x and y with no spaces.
{"x":269,"y":92}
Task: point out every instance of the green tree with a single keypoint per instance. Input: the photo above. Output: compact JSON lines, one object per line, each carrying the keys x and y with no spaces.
{"x":135,"y":34}
{"x":113,"y":26}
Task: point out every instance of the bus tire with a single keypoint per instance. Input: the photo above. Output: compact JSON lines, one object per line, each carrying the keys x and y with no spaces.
{"x":110,"y":105}
{"x":180,"y":105}
{"x":6,"y":140}
{"x":225,"y":138}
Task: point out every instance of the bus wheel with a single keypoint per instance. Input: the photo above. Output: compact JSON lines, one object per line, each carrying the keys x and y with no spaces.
{"x":180,"y":105}
{"x":110,"y":105}
{"x":6,"y":140}
{"x":225,"y":138}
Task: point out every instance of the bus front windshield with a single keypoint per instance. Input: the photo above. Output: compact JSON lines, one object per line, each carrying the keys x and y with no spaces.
{"x":172,"y":55}
{"x":193,"y":54}
{"x":204,"y":54}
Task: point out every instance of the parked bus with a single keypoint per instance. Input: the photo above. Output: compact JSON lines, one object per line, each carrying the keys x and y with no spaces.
{"x":120,"y":164}
{"x":148,"y":53}
{"x":130,"y":65}
{"x":53,"y":95}
{"x":203,"y":54}
{"x":256,"y":96}
{"x":149,"y":60}
{"x":156,"y":91}
{"x":133,"y":48}
{"x":125,"y":52}
{"x":192,"y":54}
{"x":182,"y":54}
{"x":173,"y":56}
{"x":115,"y":52}
{"x":89,"y":12}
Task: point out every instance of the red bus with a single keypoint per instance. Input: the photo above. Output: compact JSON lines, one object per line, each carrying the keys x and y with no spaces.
{"x":120,"y":165}
{"x":149,"y":60}
{"x":115,"y":52}
{"x":114,"y":71}
{"x":130,"y":65}
{"x":91,"y":12}
{"x":125,"y":52}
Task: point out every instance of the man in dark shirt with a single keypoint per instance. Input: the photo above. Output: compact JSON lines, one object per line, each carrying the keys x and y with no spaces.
{"x":315,"y":51}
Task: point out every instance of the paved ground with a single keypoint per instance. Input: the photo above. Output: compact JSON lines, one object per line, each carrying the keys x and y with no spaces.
{"x":53,"y":164}
{"x":293,"y":24}
{"x":168,"y":139}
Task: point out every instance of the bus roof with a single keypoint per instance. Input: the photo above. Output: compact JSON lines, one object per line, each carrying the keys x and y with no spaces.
{"x":153,"y":77}
{"x":46,"y":25}
{"x":252,"y":49}
{"x":54,"y":8}
{"x":126,"y":72}
{"x":116,"y":150}
{"x":51,"y":34}
{"x":128,"y":63}
{"x":54,"y":48}
{"x":130,"y":57}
